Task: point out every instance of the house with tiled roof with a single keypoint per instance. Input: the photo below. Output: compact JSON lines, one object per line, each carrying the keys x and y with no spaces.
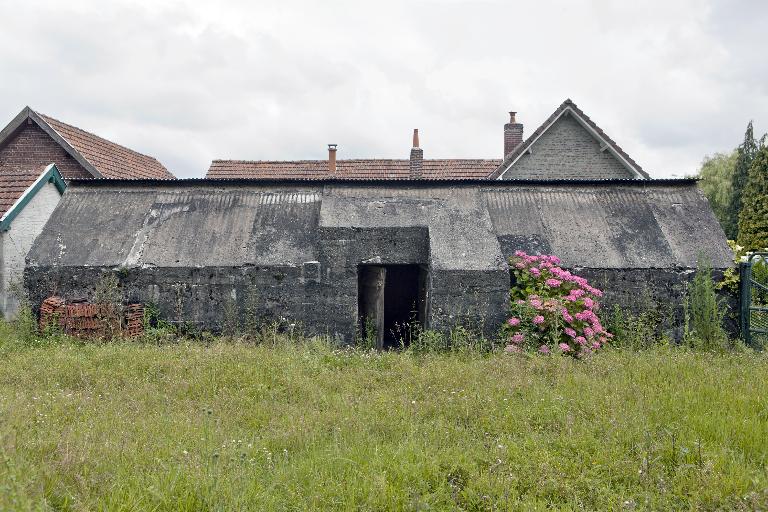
{"x":567,"y":146}
{"x":38,"y":154}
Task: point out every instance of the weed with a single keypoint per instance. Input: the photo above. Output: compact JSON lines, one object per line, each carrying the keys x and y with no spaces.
{"x":636,"y":331}
{"x":231,"y":324}
{"x":367,"y":339}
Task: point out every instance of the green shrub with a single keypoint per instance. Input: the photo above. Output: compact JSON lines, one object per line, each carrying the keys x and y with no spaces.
{"x":704,"y":312}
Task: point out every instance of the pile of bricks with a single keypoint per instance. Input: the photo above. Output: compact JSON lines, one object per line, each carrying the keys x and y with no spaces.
{"x":134,"y":320}
{"x":86,"y":320}
{"x":53,"y":310}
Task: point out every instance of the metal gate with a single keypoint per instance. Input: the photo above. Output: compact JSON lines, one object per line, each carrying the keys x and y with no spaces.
{"x":754,"y":299}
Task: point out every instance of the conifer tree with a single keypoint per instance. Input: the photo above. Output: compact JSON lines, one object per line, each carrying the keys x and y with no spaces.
{"x":753,"y":219}
{"x":746,"y":153}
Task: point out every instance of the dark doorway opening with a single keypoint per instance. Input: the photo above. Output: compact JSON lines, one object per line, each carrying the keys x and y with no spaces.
{"x":391,"y":303}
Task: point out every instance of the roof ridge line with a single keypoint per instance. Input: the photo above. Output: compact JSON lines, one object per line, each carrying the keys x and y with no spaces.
{"x":470,"y":159}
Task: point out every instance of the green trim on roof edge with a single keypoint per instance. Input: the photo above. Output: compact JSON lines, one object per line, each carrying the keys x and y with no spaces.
{"x":50,"y":175}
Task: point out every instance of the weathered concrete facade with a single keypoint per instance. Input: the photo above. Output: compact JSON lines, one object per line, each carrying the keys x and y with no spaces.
{"x":296,"y":249}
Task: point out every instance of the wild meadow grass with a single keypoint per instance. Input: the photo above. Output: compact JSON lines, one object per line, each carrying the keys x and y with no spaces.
{"x":305,"y":426}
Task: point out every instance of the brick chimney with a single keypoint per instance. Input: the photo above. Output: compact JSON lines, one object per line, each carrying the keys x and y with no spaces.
{"x":513,"y":134}
{"x":332,"y":158}
{"x":417,"y":158}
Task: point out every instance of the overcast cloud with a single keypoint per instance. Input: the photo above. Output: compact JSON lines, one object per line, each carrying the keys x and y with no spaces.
{"x":670,"y":81}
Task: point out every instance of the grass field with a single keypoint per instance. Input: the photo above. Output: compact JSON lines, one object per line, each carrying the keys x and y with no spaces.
{"x":231,"y":426}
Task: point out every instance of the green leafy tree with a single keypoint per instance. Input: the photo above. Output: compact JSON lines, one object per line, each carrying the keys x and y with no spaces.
{"x":746,"y":153}
{"x":753,"y":219}
{"x":715,"y":176}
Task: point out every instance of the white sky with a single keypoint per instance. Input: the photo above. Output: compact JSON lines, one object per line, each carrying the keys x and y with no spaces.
{"x":186,"y":82}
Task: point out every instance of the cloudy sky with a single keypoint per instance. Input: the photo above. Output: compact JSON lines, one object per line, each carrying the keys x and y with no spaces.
{"x":669,"y":80}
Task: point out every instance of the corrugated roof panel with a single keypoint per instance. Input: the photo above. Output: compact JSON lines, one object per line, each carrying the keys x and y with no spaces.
{"x":471,"y":225}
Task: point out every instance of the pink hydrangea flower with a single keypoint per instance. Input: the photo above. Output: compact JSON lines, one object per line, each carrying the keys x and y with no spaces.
{"x":512,"y":349}
{"x":536,"y":272}
{"x":553,"y":283}
{"x":518,"y":338}
{"x":579,"y":281}
{"x":589,"y":303}
{"x":538,"y":320}
{"x":567,"y":316}
{"x":581,"y":340}
{"x":520,"y":264}
{"x":588,"y":332}
{"x":570,"y":332}
{"x":595,"y":345}
{"x":544,"y":349}
{"x":536,"y":303}
{"x":565,"y":347}
{"x":513,"y":321}
{"x":593,"y":291}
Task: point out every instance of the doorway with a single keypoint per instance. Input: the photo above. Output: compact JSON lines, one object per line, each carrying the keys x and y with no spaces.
{"x":391,"y":302}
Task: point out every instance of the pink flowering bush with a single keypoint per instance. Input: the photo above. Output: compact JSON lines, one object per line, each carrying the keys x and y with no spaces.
{"x":552,"y":310}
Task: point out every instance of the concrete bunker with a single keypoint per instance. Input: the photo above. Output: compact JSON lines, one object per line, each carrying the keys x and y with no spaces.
{"x":392,"y":301}
{"x":186,"y":245}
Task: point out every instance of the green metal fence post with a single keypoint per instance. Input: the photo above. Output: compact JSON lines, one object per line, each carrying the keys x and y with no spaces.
{"x":745,"y":299}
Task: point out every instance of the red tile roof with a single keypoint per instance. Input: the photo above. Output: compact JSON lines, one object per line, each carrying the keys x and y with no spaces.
{"x":13,"y":183}
{"x":110,"y":160}
{"x":351,"y":169}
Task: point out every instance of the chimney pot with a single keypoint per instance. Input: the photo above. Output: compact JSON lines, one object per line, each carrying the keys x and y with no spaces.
{"x":513,"y":134}
{"x":415,"y":137}
{"x":332,"y":157}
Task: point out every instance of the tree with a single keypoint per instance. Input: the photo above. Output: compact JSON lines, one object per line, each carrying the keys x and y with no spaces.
{"x":745,"y":154}
{"x":715,"y":176}
{"x":753,"y":219}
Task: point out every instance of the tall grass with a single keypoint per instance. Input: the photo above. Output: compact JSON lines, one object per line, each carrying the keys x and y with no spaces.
{"x":296,"y":424}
